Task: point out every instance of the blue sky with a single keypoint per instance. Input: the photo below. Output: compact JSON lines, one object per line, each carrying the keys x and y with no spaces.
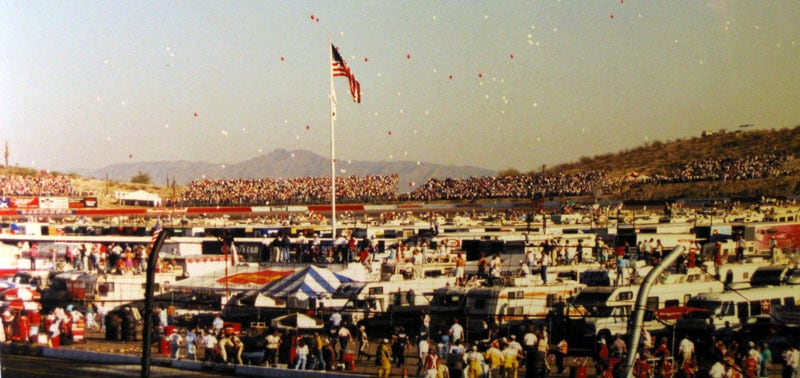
{"x":504,"y":84}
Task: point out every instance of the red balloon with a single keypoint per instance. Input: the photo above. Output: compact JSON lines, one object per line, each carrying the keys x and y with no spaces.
{"x":282,"y":59}
{"x":480,"y":75}
{"x":308,"y":127}
{"x":451,"y":77}
{"x":316,"y":19}
{"x":612,"y":16}
{"x":130,"y":156}
{"x":195,"y":114}
{"x":408,"y":56}
{"x":511,"y":56}
{"x":366,"y":60}
{"x":390,"y":133}
{"x":312,"y":17}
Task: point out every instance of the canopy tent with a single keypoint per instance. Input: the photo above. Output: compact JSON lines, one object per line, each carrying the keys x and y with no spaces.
{"x":311,"y":281}
{"x":296,"y":321}
{"x":139,"y":197}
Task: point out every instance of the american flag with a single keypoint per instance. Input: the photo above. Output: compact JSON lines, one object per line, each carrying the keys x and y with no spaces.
{"x":156,"y":231}
{"x":340,"y":68}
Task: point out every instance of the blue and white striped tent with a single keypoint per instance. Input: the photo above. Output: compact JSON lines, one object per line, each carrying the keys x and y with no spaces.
{"x":311,"y":282}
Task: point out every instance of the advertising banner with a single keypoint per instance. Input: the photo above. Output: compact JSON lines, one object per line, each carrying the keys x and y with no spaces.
{"x":76,"y":203}
{"x":53,"y":203}
{"x":24,"y":202}
{"x":90,"y":202}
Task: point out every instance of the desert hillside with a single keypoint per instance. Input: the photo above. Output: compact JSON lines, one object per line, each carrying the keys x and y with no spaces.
{"x":652,"y":159}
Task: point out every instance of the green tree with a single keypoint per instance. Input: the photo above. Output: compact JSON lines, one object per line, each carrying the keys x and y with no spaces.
{"x":141,"y":178}
{"x":509,"y":172}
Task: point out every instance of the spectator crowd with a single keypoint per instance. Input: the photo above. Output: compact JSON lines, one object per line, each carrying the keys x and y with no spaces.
{"x":728,"y":168}
{"x":42,"y":184}
{"x":384,"y":187}
{"x":573,"y":184}
{"x":288,"y":191}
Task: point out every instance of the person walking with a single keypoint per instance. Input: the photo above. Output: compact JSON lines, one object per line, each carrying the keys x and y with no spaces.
{"x":302,"y":355}
{"x":740,"y":248}
{"x":431,"y":364}
{"x":210,"y":344}
{"x":364,"y":345}
{"x":191,"y":344}
{"x":510,"y":361}
{"x":383,"y":359}
{"x":175,"y":342}
{"x":344,"y":339}
{"x":423,"y":348}
{"x":495,"y":359}
{"x":766,"y":359}
{"x":33,"y":252}
{"x":474,"y":362}
{"x":273,"y":344}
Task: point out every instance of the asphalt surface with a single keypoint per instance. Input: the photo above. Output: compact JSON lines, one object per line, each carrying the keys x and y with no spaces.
{"x":22,"y":366}
{"x":19,"y":361}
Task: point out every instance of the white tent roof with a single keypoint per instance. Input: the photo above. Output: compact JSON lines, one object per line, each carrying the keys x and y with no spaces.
{"x":139,"y":195}
{"x":296,"y":321}
{"x":311,"y":281}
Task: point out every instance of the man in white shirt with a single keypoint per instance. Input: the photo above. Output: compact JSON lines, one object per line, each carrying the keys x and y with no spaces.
{"x":273,"y":346}
{"x":456,"y":332}
{"x":217,"y":324}
{"x":546,"y":261}
{"x":530,"y":338}
{"x":209,"y":342}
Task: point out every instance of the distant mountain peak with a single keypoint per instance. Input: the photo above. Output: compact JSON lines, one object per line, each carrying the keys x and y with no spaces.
{"x":283,"y":163}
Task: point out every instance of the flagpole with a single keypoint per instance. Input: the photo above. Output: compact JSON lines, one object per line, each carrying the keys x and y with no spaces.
{"x":333,"y":148}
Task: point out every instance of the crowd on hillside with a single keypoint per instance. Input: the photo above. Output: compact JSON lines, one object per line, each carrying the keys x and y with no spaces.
{"x":42,"y":184}
{"x":308,"y":190}
{"x":384,"y":187}
{"x":575,"y":184}
{"x":727,"y":168}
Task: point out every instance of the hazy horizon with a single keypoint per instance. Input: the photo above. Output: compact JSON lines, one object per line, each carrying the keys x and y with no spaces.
{"x":518,"y":84}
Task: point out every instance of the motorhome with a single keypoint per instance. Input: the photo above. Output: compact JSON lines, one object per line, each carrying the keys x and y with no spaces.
{"x":361,"y":300}
{"x":605,"y":311}
{"x":481,"y":308}
{"x":735,"y":308}
{"x":113,"y":289}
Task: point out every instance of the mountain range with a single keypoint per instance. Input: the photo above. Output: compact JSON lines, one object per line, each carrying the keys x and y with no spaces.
{"x":282,"y":163}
